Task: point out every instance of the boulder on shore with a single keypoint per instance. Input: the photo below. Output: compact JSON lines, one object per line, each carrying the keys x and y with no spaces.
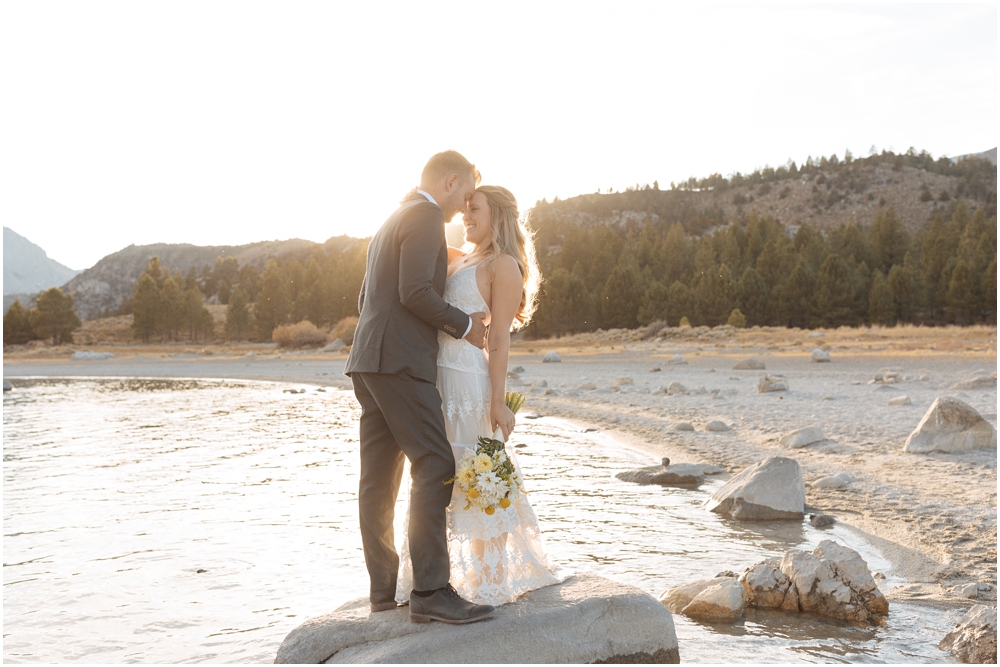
{"x":84,"y":355}
{"x":749,"y":365}
{"x":551,"y":357}
{"x":978,"y":382}
{"x":586,"y":619}
{"x":334,"y":345}
{"x":975,"y":636}
{"x":684,"y":474}
{"x":675,"y":599}
{"x":676,"y":389}
{"x":769,"y":383}
{"x":833,"y":581}
{"x":802,"y":437}
{"x":820,"y":355}
{"x":770,"y":490}
{"x":951,"y":425}
{"x":7,"y":386}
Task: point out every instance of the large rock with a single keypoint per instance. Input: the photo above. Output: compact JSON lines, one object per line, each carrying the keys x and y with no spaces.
{"x":833,"y":581}
{"x":679,"y":473}
{"x":676,"y":389}
{"x":803,"y":437}
{"x":586,"y":619}
{"x":978,"y":382}
{"x":334,"y":346}
{"x":951,"y":425}
{"x":975,"y":636}
{"x":820,"y":356}
{"x":723,"y":599}
{"x":675,"y":599}
{"x":551,"y":357}
{"x":771,"y":489}
{"x":749,"y":365}
{"x":769,"y":383}
{"x":86,"y":355}
{"x":7,"y":386}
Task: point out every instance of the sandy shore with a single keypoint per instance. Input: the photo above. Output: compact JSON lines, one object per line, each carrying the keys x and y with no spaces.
{"x":932,"y":515}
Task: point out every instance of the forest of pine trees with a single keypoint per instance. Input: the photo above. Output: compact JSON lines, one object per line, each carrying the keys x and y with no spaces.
{"x":604,"y":276}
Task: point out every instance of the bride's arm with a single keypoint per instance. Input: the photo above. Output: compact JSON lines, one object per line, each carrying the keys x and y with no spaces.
{"x":506,"y":297}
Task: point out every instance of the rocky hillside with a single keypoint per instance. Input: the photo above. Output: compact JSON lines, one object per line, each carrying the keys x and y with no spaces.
{"x":825,"y":193}
{"x":108,"y":283}
{"x":27,"y":269}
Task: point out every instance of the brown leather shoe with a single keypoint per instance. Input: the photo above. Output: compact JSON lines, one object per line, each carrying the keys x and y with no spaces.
{"x":447,"y":606}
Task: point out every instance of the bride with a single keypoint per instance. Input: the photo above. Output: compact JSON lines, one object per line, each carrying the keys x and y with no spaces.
{"x":493,"y":558}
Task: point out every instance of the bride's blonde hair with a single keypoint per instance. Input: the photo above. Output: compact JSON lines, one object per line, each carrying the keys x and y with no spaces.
{"x":512,"y":236}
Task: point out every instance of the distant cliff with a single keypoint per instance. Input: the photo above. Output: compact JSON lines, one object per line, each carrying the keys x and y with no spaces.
{"x":27,"y":269}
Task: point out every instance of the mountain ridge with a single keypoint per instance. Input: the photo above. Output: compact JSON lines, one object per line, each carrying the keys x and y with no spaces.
{"x":27,"y":268}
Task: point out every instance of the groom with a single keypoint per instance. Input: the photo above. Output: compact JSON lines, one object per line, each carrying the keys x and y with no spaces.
{"x":393,"y":365}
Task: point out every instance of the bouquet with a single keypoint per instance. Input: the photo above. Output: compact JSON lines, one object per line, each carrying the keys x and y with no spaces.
{"x":487,"y":476}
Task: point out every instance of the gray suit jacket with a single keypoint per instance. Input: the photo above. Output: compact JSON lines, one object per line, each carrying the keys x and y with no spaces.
{"x":400,"y":303}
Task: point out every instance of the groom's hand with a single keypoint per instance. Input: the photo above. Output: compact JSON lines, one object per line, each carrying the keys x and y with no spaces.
{"x":477,"y":334}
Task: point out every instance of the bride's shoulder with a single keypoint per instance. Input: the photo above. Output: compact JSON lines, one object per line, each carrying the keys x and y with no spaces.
{"x":505,"y":269}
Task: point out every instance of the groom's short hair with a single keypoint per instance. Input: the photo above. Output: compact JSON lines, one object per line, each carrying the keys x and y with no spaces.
{"x":448,"y":162}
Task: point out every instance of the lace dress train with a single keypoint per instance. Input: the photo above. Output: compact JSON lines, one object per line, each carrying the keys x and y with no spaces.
{"x":494,"y":558}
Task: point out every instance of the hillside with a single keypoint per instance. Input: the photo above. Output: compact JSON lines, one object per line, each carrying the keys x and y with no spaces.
{"x":105,"y":286}
{"x":27,"y":269}
{"x":825,"y":193}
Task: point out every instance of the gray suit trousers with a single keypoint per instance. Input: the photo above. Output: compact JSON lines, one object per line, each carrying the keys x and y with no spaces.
{"x":401,"y":416}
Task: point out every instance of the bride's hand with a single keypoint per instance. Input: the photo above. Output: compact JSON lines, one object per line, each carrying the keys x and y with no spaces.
{"x":502,"y":417}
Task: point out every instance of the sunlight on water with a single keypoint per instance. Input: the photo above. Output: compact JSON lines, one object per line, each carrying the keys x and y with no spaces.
{"x":188,"y":521}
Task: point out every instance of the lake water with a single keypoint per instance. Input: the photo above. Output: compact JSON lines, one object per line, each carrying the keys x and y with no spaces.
{"x":200,"y":521}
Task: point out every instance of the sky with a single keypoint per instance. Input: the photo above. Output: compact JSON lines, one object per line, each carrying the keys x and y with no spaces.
{"x":223,"y":123}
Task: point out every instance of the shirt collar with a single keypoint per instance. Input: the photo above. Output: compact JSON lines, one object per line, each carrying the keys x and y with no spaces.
{"x":429,"y":198}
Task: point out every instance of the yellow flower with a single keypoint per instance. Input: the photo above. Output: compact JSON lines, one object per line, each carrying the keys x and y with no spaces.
{"x":504,"y":503}
{"x":482,"y":463}
{"x":489,"y":510}
{"x":473,"y":493}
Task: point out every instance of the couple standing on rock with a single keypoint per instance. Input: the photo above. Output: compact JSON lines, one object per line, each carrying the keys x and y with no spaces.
{"x":428,"y":390}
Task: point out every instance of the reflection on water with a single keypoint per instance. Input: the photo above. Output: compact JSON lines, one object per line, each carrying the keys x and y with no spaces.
{"x":189,"y":521}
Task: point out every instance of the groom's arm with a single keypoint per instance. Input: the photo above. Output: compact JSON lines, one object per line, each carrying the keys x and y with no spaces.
{"x":421,"y":238}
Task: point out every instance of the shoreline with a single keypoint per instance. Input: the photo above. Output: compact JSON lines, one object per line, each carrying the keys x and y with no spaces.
{"x":919,"y":538}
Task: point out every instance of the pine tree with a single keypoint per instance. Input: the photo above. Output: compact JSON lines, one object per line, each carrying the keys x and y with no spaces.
{"x":989,"y":292}
{"x":565,"y":306}
{"x":146,"y":310}
{"x":881,"y":304}
{"x":961,"y":299}
{"x":752,"y":296}
{"x":273,"y":304}
{"x":54,"y":317}
{"x":655,"y":301}
{"x":889,"y":239}
{"x":682,"y":302}
{"x":902,"y":281}
{"x":833,"y":302}
{"x":794,"y":298}
{"x":237,"y":316}
{"x":17,"y":325}
{"x":195,"y":313}
{"x":621,"y":297}
{"x":172,"y":307}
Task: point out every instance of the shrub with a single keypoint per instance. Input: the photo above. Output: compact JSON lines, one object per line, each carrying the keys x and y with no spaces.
{"x":925,"y":195}
{"x":739,"y":199}
{"x":944,"y":196}
{"x":303,"y":334}
{"x":685,"y":322}
{"x":764,"y":189}
{"x":737,"y":319}
{"x":344,"y":330}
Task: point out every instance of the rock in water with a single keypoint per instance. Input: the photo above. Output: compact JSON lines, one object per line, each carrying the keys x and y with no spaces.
{"x":680,"y":473}
{"x":820,"y":356}
{"x":951,"y":425}
{"x":7,"y":386}
{"x":802,"y":437}
{"x":675,"y":599}
{"x":551,"y":357}
{"x":771,"y":489}
{"x":975,"y":636}
{"x":822,"y":520}
{"x":978,"y":382}
{"x":749,"y":365}
{"x":769,"y":383}
{"x":723,"y":599}
{"x":586,"y":619}
{"x":833,"y":580}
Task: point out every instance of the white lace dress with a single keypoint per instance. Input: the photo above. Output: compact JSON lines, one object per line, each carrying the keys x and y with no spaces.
{"x":493,"y":558}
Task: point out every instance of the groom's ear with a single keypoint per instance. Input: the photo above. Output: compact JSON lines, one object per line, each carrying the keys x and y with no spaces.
{"x":451,"y":183}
